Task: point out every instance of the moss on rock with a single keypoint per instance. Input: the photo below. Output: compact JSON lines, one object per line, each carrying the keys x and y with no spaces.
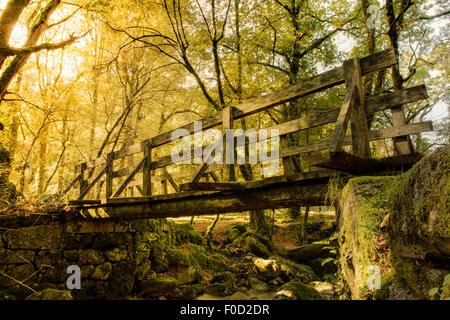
{"x":419,"y":202}
{"x":50,"y":294}
{"x":295,"y":290}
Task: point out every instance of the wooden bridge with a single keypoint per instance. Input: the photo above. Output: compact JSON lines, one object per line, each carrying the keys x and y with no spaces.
{"x":107,"y":184}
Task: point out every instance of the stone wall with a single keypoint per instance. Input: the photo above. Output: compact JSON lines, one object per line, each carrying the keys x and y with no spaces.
{"x":116,"y":258}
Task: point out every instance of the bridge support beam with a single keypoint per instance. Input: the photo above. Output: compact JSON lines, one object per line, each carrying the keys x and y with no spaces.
{"x":282,"y":196}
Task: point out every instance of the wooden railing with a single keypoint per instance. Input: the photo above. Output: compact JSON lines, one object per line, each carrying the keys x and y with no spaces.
{"x":356,"y":109}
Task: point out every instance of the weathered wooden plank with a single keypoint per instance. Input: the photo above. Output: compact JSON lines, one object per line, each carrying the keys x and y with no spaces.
{"x":211,"y":186}
{"x":387,"y":133}
{"x":379,"y":61}
{"x":360,"y":131}
{"x":122,"y":172}
{"x":130,"y":177}
{"x":71,"y":185}
{"x":139,"y":188}
{"x":228,"y":151}
{"x":146,"y":169}
{"x":89,"y":187}
{"x":171,"y":180}
{"x":84,"y":202}
{"x":214,"y":176}
{"x":109,"y":176}
{"x":201,"y":170}
{"x":188,"y":204}
{"x":81,"y":177}
{"x":401,"y":162}
{"x":392,"y":132}
{"x":91,"y":164}
{"x":342,"y":120}
{"x":349,"y":163}
{"x":130,"y":150}
{"x":164,"y":186}
{"x":185,"y":173}
{"x":401,"y":144}
{"x":281,"y":197}
{"x":389,"y":100}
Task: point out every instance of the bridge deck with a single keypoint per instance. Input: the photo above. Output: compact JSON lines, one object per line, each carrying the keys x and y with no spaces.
{"x":206,"y":198}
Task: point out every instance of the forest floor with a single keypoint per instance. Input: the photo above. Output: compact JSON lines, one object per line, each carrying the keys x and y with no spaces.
{"x":285,"y":237}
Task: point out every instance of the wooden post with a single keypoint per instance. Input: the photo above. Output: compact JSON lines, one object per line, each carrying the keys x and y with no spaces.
{"x":164,"y":186}
{"x":82,"y":174}
{"x":401,"y":144}
{"x":288,"y":166}
{"x":358,"y":118}
{"x":109,"y":175}
{"x":227,"y":123}
{"x":146,"y":170}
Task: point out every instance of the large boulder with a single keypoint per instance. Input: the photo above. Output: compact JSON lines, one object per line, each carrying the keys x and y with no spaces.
{"x":286,"y":270}
{"x":363,"y":207}
{"x":395,"y":232}
{"x":419,"y":222}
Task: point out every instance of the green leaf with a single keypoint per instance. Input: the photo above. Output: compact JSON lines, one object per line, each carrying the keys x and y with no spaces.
{"x":433,"y":292}
{"x":447,"y":280}
{"x":325,"y":261}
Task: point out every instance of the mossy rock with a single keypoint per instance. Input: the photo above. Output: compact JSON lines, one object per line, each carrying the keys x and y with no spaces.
{"x":179,"y":258}
{"x":76,"y":241}
{"x":19,"y":292}
{"x":91,"y":256}
{"x":261,"y":238}
{"x":235,"y":230}
{"x":111,"y":240}
{"x":102,"y":271}
{"x":417,"y":276}
{"x":364,"y":206}
{"x":216,"y":262}
{"x":290,"y":270}
{"x":419,"y":223}
{"x":256,"y":247}
{"x":158,"y":260}
{"x":117,"y":254}
{"x":122,"y":279}
{"x":295,"y":290}
{"x":199,"y":254}
{"x":151,"y":225}
{"x":387,"y":279}
{"x":51,"y":294}
{"x":159,"y":286}
{"x":222,"y":285}
{"x":195,"y":237}
{"x":185,"y":233}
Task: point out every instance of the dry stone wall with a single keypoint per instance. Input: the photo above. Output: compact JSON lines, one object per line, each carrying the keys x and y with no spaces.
{"x":114,"y":257}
